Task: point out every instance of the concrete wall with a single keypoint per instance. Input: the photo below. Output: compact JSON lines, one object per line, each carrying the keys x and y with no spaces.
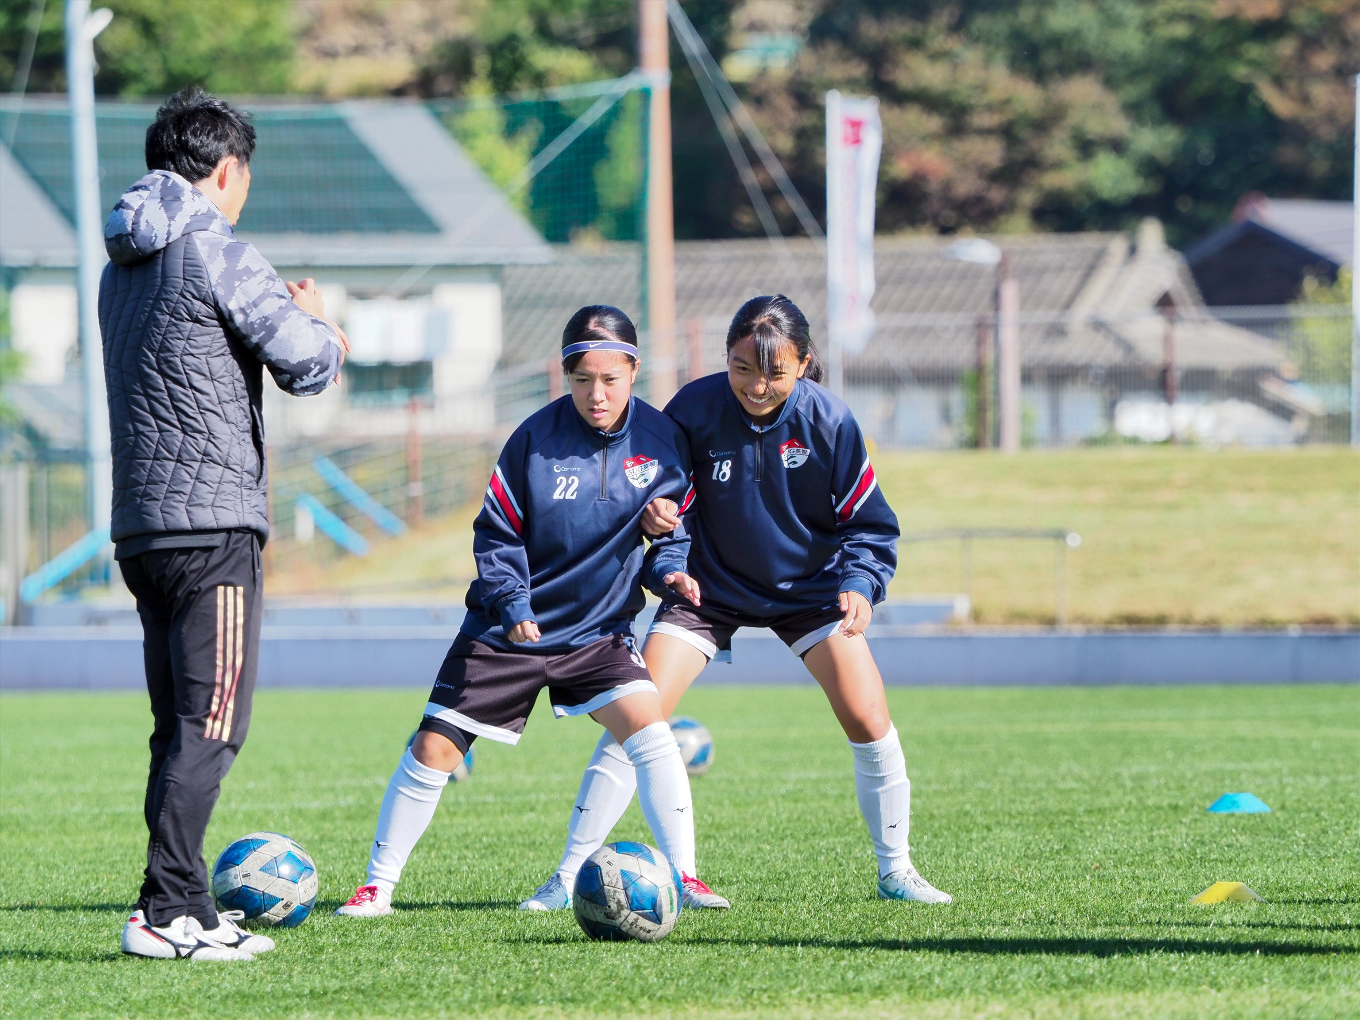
{"x":291,"y":656}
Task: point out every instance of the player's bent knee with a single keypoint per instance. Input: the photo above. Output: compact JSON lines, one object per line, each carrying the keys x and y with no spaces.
{"x":436,"y":751}
{"x":629,"y":714}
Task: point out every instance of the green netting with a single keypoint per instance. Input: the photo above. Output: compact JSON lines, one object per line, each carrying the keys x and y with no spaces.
{"x":297,"y":147}
{"x":593,"y":189}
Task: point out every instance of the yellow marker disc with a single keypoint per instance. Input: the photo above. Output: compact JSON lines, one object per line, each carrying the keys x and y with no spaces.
{"x":1223,"y":892}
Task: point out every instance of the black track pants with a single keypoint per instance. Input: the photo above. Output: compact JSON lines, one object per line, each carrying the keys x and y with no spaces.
{"x":200,"y":611}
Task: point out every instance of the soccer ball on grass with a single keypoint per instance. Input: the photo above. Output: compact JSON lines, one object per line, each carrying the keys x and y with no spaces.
{"x":268,"y":877}
{"x":627,"y":891}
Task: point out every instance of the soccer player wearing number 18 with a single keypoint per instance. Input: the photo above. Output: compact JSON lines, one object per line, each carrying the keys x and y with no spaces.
{"x":790,"y":532}
{"x":560,"y":566}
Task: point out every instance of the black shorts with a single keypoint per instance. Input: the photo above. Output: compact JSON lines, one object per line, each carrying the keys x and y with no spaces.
{"x":710,"y":630}
{"x":483,"y":691}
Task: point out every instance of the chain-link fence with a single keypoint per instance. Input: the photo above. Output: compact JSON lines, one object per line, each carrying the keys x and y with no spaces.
{"x":1273,"y":375}
{"x":1114,"y":343}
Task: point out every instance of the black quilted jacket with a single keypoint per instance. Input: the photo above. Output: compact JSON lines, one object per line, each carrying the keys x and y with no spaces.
{"x":190,"y":317}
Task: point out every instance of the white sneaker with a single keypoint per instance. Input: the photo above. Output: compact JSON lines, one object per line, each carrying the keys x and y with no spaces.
{"x":698,"y":896}
{"x":181,"y":939}
{"x":909,"y":886}
{"x":367,"y":901}
{"x":229,"y":933}
{"x":551,"y":895}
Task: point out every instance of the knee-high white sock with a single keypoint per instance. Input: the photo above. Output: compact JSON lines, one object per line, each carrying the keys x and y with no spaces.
{"x":663,"y":791}
{"x":606,"y":789}
{"x":884,"y":794}
{"x":407,"y":807}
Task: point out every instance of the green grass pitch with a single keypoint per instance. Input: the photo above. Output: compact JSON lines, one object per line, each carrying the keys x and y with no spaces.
{"x":1069,"y":824}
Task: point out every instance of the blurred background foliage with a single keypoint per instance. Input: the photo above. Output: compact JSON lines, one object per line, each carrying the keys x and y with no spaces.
{"x":999,"y":114}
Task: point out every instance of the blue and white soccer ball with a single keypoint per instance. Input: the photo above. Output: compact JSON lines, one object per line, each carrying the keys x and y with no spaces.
{"x":695,"y":742}
{"x":627,"y":891}
{"x":464,"y":770}
{"x":268,"y":877}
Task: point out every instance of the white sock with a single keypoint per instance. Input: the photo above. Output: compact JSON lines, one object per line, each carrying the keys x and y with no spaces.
{"x":884,"y":794}
{"x":663,"y":790}
{"x":407,"y":807}
{"x":606,"y":790}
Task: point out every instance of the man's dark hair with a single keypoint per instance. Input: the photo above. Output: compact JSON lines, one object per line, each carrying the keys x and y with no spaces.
{"x":193,"y":131}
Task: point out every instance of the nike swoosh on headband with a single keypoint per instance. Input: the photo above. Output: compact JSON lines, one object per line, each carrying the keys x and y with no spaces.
{"x":605,"y":345}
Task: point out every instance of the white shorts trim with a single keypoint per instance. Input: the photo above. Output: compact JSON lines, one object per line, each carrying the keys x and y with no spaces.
{"x":448,"y":715}
{"x":690,"y":638}
{"x":605,"y":698}
{"x":810,"y":641}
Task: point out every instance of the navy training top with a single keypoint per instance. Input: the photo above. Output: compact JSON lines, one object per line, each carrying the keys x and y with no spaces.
{"x":786,"y":515}
{"x":558,"y":540}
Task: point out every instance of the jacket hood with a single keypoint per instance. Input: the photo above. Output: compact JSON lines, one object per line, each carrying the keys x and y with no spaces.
{"x":160,"y":208}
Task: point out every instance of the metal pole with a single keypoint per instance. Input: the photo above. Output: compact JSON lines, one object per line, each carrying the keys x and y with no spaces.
{"x":1008,"y":357}
{"x":835,"y":242}
{"x":654,"y":59}
{"x":14,"y":521}
{"x":81,"y":28}
{"x":415,"y":484}
{"x":967,"y":555}
{"x":1355,"y":280}
{"x":984,"y":382}
{"x":1060,"y":583}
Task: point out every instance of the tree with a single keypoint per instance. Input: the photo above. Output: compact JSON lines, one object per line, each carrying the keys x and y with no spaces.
{"x":1081,"y":114}
{"x":155,"y":47}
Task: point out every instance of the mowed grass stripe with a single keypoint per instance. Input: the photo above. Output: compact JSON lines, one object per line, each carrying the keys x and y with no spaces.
{"x":1068,"y":823}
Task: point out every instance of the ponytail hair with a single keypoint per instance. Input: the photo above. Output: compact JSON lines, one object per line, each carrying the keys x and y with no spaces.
{"x":601,"y":327}
{"x":772,"y":321}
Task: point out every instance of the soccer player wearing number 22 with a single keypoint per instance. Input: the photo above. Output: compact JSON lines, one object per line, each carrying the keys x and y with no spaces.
{"x":790,"y":532}
{"x":561,"y":562}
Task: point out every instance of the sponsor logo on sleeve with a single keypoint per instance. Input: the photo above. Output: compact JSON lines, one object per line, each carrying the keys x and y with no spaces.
{"x":794,"y":454}
{"x":641,"y":470}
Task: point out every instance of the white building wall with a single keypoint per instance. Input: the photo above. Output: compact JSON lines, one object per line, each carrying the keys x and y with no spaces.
{"x":45,"y":325}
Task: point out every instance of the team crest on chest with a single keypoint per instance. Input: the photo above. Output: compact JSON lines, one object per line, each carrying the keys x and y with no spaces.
{"x":641,"y":470}
{"x":794,"y":454}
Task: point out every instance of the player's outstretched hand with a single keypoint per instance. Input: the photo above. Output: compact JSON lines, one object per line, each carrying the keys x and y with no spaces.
{"x":524,"y":631}
{"x":683,"y":584}
{"x":660,"y":517}
{"x":858,"y":612}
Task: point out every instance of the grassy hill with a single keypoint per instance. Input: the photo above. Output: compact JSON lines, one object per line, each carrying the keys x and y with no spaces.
{"x":1169,"y":535}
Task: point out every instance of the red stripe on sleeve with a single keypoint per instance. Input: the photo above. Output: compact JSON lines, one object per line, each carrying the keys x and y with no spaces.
{"x":866,"y":482}
{"x":506,"y":504}
{"x":689,"y":498}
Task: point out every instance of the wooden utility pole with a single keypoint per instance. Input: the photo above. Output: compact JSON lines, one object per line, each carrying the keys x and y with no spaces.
{"x":654,"y":60}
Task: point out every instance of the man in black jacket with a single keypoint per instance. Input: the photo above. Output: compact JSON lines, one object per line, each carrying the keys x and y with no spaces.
{"x":190,"y":318}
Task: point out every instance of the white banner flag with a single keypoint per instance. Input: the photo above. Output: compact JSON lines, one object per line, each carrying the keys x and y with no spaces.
{"x":854,"y":141}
